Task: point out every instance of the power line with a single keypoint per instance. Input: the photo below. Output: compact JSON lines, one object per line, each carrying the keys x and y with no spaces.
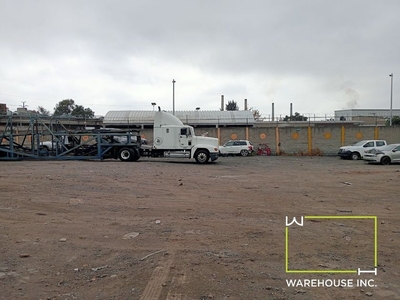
{"x":55,"y":101}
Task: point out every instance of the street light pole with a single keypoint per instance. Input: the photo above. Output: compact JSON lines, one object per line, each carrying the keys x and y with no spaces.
{"x":391,"y":98}
{"x":173,"y":96}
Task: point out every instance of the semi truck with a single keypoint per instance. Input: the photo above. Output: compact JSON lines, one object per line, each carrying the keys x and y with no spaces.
{"x":171,"y":138}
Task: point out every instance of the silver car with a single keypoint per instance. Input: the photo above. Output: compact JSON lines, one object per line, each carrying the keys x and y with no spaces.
{"x":384,"y":155}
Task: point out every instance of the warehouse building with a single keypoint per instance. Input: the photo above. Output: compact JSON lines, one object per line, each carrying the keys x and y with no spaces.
{"x":197,"y":118}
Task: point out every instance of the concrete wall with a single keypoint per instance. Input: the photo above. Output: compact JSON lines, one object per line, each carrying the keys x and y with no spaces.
{"x":293,"y":138}
{"x":296,"y":140}
{"x":390,"y":134}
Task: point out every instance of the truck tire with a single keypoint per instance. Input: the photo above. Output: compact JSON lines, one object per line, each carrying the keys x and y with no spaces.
{"x":126,"y":154}
{"x":136,"y":154}
{"x":354,"y":156}
{"x":202,"y":156}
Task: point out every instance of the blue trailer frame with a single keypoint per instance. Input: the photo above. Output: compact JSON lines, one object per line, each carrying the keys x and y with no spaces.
{"x":82,"y":144}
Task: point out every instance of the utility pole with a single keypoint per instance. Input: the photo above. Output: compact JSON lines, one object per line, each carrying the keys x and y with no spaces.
{"x":173,"y":96}
{"x":391,"y":98}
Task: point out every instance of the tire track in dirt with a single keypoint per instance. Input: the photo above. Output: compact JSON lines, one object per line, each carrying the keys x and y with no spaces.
{"x":158,"y":278}
{"x":177,"y":284}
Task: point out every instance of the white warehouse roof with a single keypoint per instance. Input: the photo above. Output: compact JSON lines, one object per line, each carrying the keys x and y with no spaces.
{"x":198,"y":117}
{"x":349,"y":114}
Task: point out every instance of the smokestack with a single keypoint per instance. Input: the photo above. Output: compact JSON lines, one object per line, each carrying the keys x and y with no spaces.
{"x":222,"y":103}
{"x":273,"y":111}
{"x":291,"y":111}
{"x":245,"y":104}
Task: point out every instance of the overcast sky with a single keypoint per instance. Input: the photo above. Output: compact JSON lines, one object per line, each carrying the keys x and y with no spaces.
{"x":123,"y":55}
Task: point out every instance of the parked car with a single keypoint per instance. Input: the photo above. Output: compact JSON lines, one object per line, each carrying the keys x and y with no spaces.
{"x":62,"y":142}
{"x":357,"y":150}
{"x":236,"y":147}
{"x":384,"y":155}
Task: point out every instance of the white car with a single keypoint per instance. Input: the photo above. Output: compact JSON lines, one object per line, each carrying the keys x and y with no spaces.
{"x":357,"y":150}
{"x":384,"y":155}
{"x":236,"y":147}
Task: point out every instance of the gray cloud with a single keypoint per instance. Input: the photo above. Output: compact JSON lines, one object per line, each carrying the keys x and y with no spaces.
{"x":126,"y":52}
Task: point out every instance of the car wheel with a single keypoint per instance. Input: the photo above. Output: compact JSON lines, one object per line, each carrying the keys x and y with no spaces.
{"x":244,"y":153}
{"x":202,"y":156}
{"x":355,"y":156}
{"x":385,"y":160}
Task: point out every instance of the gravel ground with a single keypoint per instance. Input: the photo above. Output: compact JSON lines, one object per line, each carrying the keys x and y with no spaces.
{"x":172,"y":229}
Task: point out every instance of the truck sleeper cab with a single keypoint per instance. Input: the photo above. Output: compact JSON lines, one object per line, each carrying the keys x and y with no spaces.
{"x":174,"y":139}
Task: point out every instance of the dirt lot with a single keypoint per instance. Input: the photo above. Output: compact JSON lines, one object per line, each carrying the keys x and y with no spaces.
{"x":172,"y":229}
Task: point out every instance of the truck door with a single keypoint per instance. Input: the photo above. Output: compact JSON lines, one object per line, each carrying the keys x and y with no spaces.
{"x":185,"y":138}
{"x":368,"y":146}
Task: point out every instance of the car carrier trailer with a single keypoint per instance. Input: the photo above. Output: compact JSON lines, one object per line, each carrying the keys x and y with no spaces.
{"x":46,"y":138}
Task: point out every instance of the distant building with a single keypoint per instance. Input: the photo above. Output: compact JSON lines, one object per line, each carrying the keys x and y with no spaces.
{"x":198,"y":118}
{"x":367,"y":116}
{"x":3,"y":109}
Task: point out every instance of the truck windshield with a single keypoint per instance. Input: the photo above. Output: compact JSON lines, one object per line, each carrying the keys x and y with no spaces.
{"x":361,"y":143}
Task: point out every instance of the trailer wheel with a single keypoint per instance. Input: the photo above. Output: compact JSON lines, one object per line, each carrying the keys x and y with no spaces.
{"x":136,"y":154}
{"x":202,"y":156}
{"x":126,"y":154}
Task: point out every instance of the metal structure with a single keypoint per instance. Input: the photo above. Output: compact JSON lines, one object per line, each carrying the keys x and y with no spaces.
{"x":141,"y":118}
{"x":48,"y":138}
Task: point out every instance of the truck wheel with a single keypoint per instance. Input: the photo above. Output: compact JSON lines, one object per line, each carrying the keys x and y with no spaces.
{"x":385,"y":160}
{"x":202,"y":156}
{"x":355,"y":156}
{"x":136,"y":155}
{"x":126,"y":154}
{"x":244,"y":153}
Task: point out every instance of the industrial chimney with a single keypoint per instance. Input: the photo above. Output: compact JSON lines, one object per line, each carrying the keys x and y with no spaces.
{"x":245,"y":104}
{"x":291,"y":111}
{"x":273,"y":112}
{"x":222,"y":103}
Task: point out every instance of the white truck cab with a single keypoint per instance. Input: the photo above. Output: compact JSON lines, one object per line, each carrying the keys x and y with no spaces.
{"x":174,"y":139}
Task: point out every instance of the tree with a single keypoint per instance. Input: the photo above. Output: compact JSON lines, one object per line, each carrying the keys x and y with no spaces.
{"x":80,"y":111}
{"x":256,"y":113}
{"x":68,"y":107}
{"x":232,"y":105}
{"x":64,"y":107}
{"x":296,"y":117}
{"x":395,"y":121}
{"x":42,"y":111}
